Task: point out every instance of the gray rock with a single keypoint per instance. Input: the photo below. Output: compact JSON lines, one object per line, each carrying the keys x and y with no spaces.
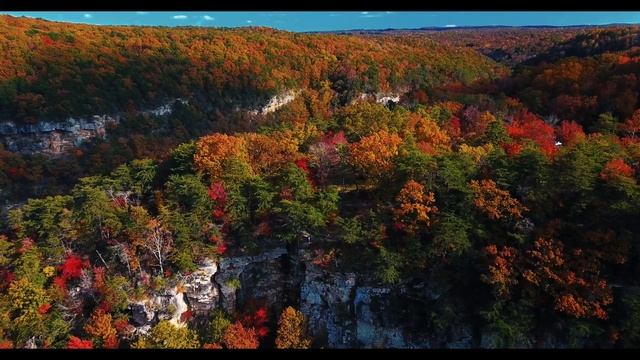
{"x":326,"y":301}
{"x":251,"y":277}
{"x":8,"y":128}
{"x":141,"y":315}
{"x":371,"y":332}
{"x":202,"y":293}
{"x":54,"y":138}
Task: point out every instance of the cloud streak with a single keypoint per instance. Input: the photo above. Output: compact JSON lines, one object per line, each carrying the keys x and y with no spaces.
{"x":180,"y":17}
{"x":87,"y":16}
{"x":208,"y":18}
{"x":366,"y":14}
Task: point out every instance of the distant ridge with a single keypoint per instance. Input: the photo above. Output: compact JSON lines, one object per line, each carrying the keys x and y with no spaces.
{"x":479,"y":27}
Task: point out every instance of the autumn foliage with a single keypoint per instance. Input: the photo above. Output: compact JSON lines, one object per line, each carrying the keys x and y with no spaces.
{"x":527,"y":126}
{"x":632,"y":124}
{"x":420,"y":202}
{"x":71,"y":269}
{"x":570,"y":133}
{"x":373,"y":155}
{"x":616,"y":168}
{"x":292,"y":330}
{"x":496,"y":203}
{"x":256,"y":319}
{"x":267,"y":155}
{"x":239,"y":337}
{"x":428,"y":135}
{"x":502,"y":274}
{"x":77,"y":343}
{"x":575,"y":290}
{"x":100,"y":326}
{"x":213,"y":150}
{"x":415,"y":208}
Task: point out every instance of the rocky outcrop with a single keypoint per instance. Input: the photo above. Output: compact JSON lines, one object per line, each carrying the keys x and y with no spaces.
{"x":168,"y":305}
{"x":260,"y":277}
{"x":370,"y":332}
{"x":201,"y":292}
{"x":326,"y":300}
{"x":142,"y":313}
{"x":165,"y":109}
{"x":380,"y":98}
{"x":54,"y":138}
{"x":342,"y":311}
{"x":179,"y":307}
{"x":276,"y":103}
{"x":386,"y":98}
{"x":196,"y":293}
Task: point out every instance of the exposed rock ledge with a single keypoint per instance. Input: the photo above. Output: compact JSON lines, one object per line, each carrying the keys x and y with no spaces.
{"x":54,"y":138}
{"x":276,"y":102}
{"x":342,"y":312}
{"x":380,"y":98}
{"x":195,"y":292}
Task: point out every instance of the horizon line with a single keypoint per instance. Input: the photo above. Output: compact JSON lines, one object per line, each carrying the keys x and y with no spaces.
{"x":430,"y":27}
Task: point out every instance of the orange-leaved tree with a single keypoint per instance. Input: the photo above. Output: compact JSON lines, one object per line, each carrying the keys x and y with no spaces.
{"x":267,"y":155}
{"x":496,"y":203}
{"x":100,"y":327}
{"x":213,"y":150}
{"x":415,"y":208}
{"x":373,"y":155}
{"x":239,"y":337}
{"x":428,"y":135}
{"x":575,"y":289}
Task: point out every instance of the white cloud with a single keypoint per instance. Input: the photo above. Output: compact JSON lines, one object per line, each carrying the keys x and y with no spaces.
{"x":87,"y":16}
{"x":141,"y":12}
{"x":208,"y":18}
{"x":249,"y":21}
{"x":451,"y":25}
{"x":388,"y":12}
{"x":366,"y":14}
{"x":180,"y":17}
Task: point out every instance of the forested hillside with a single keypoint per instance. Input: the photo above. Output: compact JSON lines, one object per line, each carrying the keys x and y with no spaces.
{"x":508,"y":45}
{"x":470,"y":206}
{"x":55,"y":70}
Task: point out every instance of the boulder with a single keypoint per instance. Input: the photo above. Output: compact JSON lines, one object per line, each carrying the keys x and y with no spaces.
{"x":201,"y":292}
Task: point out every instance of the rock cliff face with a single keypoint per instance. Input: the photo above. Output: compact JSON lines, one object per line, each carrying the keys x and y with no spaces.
{"x":341,"y":312}
{"x":276,"y":103}
{"x":263,"y":278}
{"x":54,"y":138}
{"x":381,"y":98}
{"x":201,"y":292}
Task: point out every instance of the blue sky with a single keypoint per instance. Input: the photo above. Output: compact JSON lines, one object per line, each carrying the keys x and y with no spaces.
{"x":335,"y":20}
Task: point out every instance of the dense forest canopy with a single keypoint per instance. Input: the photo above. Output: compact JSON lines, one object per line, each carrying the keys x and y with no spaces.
{"x":508,"y":197}
{"x":54,"y":70}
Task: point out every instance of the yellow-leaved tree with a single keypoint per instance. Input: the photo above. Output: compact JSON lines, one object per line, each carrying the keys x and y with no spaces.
{"x":292,"y":330}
